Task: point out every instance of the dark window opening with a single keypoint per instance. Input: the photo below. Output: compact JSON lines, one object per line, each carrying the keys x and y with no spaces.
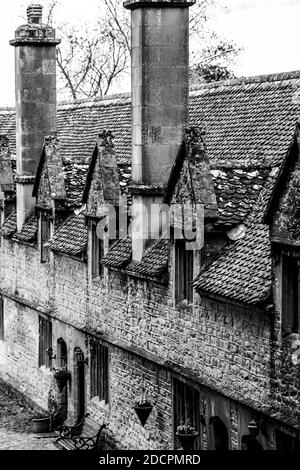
{"x":45,"y":341}
{"x":285,"y":442}
{"x":99,"y":371}
{"x":1,"y":318}
{"x":113,"y":226}
{"x":251,"y":443}
{"x":219,"y":434}
{"x":184,"y":267}
{"x":186,"y":409}
{"x":97,"y":253}
{"x":290,"y":295}
{"x":62,"y":354}
{"x":44,"y":237}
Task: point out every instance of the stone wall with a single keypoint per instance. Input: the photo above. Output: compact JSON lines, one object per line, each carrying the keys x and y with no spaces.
{"x":226,"y":348}
{"x":22,"y":274}
{"x":129,"y":376}
{"x":19,"y":355}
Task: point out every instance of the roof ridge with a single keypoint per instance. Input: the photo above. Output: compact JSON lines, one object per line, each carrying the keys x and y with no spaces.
{"x":124,"y":98}
{"x":264,"y":78}
{"x":8,"y":109}
{"x":97,"y":101}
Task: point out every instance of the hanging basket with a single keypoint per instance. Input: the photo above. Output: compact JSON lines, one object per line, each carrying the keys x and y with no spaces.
{"x":143,"y":411}
{"x":187,"y":440}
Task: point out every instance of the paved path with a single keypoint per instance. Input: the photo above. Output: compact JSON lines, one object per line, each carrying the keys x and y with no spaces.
{"x":10,"y":440}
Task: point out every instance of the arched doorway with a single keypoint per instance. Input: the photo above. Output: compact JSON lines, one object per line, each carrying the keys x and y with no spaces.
{"x":79,"y":384}
{"x":62,"y":388}
{"x":219,"y":434}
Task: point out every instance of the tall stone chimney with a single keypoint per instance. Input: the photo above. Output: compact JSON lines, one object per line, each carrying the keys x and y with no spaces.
{"x":35,"y":63}
{"x":160,"y":92}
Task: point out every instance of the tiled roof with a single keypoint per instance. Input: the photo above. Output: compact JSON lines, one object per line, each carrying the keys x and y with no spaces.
{"x":154,"y":260}
{"x":72,"y":237}
{"x":79,"y":124}
{"x":237,"y":190}
{"x":247,"y":118}
{"x":9,"y":226}
{"x":29,"y":231}
{"x":242,"y":271}
{"x":119,"y":254}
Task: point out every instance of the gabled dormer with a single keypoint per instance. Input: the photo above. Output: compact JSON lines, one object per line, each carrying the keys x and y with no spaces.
{"x":101,"y":198}
{"x":7,"y":187}
{"x":50,"y":193}
{"x":283,"y":216}
{"x":192,"y":199}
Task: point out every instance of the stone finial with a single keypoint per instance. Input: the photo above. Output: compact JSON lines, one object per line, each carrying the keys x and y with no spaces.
{"x":195,"y":141}
{"x":34,"y":14}
{"x":106,"y":139}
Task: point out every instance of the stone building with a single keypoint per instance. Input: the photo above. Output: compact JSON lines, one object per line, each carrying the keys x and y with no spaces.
{"x":209,"y":335}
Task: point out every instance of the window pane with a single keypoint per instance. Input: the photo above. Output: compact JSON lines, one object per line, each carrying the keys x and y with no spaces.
{"x":99,"y":372}
{"x":184,"y":267}
{"x":290,"y":290}
{"x":45,"y":235}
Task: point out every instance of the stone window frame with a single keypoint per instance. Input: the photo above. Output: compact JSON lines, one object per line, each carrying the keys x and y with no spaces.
{"x":96,"y":251}
{"x":45,"y":341}
{"x":1,"y":318}
{"x":45,"y":232}
{"x":290,"y":293}
{"x":180,"y":286}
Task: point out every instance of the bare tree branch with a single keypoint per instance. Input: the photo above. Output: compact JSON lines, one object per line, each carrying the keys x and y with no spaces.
{"x":91,"y":59}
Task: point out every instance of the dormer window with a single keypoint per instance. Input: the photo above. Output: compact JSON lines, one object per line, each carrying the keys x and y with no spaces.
{"x":97,"y":252}
{"x":45,"y":233}
{"x":290,"y":295}
{"x":184,"y":269}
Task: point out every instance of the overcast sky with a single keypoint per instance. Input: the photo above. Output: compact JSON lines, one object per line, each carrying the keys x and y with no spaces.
{"x":268,"y":30}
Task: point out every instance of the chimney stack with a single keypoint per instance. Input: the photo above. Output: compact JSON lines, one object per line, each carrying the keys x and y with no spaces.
{"x":35,"y":63}
{"x":160,"y":92}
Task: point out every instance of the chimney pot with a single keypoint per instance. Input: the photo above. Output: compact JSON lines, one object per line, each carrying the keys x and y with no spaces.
{"x":34,"y":14}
